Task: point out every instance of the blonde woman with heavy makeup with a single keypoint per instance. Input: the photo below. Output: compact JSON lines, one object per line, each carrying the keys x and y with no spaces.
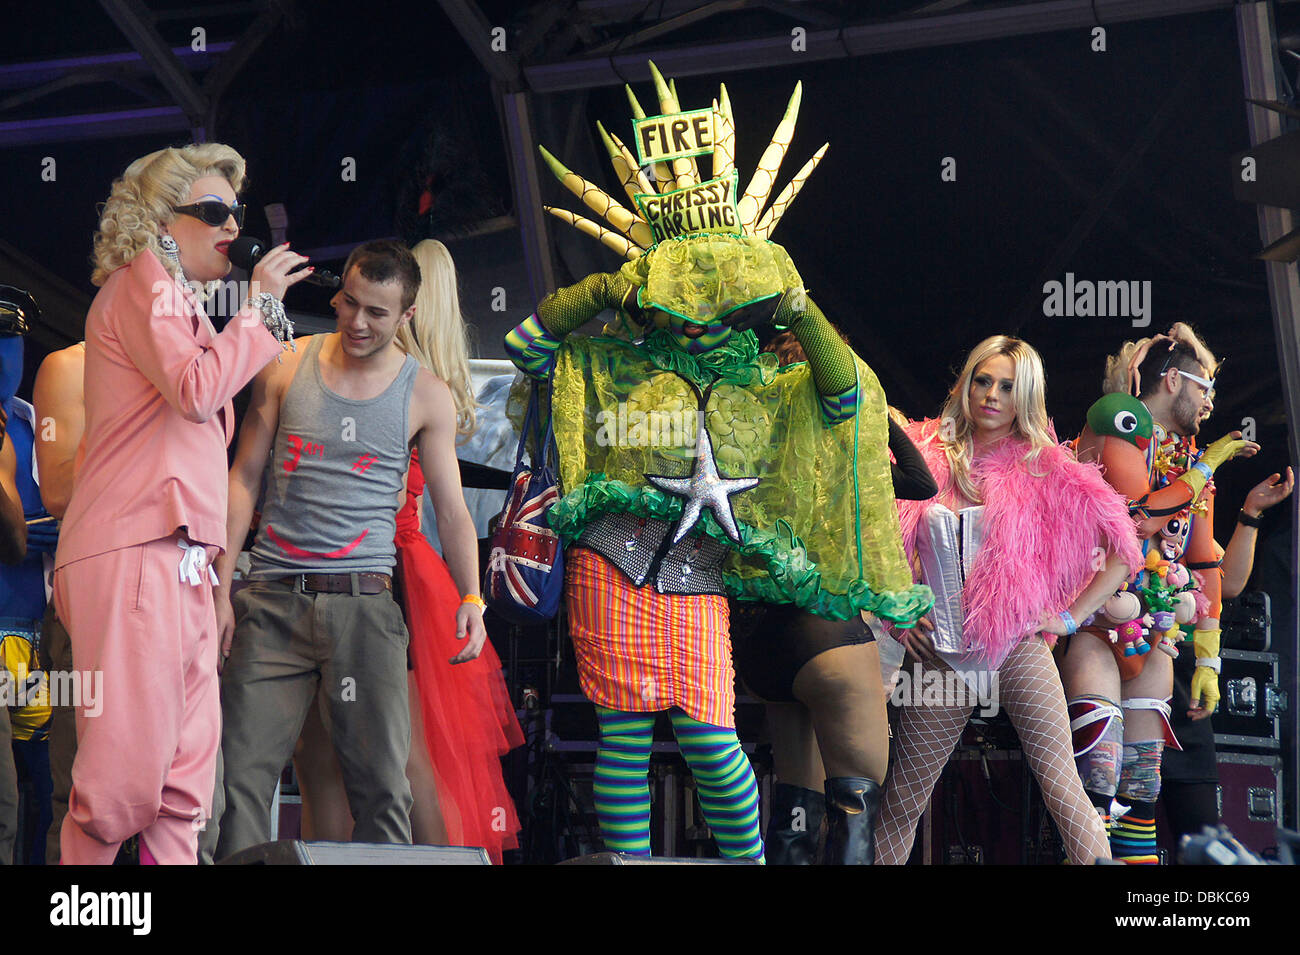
{"x":1041,"y":541}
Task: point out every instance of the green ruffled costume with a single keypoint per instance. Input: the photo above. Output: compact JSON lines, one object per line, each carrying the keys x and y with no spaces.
{"x":820,"y":530}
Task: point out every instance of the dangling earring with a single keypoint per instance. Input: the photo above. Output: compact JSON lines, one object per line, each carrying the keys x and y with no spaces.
{"x":170,"y":248}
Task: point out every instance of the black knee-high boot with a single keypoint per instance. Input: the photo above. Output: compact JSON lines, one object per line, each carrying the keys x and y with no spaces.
{"x":852,"y":803}
{"x":794,"y":825}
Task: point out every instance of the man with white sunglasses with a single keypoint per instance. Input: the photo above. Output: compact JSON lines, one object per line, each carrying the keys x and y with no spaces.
{"x":1118,"y":699}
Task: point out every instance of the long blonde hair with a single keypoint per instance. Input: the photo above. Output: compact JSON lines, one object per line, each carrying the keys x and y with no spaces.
{"x":1029,"y":393}
{"x":437,"y":336}
{"x":142,"y":199}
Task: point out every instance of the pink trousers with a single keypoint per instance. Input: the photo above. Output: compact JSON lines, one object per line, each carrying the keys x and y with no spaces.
{"x":147,"y":744}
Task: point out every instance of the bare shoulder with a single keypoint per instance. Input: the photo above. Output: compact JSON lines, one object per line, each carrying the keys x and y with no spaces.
{"x":429,"y":385}
{"x":64,"y":363}
{"x":430,"y":398}
{"x":60,"y":380}
{"x":276,"y":374}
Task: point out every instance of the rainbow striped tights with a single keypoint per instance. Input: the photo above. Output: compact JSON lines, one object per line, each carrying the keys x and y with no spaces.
{"x":723,"y":777}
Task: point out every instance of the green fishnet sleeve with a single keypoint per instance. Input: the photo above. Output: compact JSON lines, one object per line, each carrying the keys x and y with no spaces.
{"x":829,"y":358}
{"x":568,"y":308}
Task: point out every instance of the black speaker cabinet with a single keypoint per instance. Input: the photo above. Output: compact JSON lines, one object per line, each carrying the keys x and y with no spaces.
{"x":1253,"y":703}
{"x":1247,"y":622}
{"x":295,"y":852}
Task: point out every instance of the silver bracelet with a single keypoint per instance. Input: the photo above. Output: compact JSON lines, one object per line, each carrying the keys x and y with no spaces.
{"x":1212,"y":663}
{"x":274,"y":317}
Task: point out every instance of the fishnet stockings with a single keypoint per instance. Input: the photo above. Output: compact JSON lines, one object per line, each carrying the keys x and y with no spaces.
{"x":1029,"y":689}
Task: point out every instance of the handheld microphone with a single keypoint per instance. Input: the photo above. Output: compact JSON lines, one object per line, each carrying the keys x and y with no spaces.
{"x":247,"y":251}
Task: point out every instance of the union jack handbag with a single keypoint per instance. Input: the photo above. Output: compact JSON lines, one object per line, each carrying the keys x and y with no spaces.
{"x":525,"y":575}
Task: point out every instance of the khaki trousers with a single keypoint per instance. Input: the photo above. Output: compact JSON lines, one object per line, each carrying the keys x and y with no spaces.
{"x":287,"y":644}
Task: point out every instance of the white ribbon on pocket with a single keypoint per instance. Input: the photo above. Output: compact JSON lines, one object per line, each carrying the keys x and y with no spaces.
{"x":193,"y":562}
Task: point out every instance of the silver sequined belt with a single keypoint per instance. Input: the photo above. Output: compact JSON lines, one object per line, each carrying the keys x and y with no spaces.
{"x":640,"y":548}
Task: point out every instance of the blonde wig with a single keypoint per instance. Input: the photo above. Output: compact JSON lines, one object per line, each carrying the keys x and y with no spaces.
{"x":437,"y":336}
{"x":1029,"y":393}
{"x":1121,"y":365}
{"x":142,"y":199}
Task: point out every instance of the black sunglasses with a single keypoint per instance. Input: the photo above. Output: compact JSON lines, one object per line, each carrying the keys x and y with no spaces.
{"x":212,"y":212}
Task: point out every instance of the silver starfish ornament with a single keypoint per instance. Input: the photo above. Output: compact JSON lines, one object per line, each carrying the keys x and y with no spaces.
{"x":704,"y":488}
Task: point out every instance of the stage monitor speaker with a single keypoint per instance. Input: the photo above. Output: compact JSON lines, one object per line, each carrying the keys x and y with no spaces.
{"x":296,"y":852}
{"x":617,"y":858}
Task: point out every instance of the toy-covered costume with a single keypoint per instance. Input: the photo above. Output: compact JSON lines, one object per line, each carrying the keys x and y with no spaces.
{"x":692,"y":467}
{"x":469,"y":723}
{"x":1167,"y":484}
{"x":996,"y":568}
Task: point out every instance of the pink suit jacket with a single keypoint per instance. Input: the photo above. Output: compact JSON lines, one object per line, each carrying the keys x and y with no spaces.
{"x":158,"y":385}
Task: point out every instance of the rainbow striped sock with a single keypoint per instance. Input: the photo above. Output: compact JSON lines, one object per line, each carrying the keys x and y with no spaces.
{"x":726,"y":785}
{"x":621,"y":793}
{"x":1133,"y":835}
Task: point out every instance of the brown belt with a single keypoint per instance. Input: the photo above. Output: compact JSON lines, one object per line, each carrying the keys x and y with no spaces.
{"x":367,"y":584}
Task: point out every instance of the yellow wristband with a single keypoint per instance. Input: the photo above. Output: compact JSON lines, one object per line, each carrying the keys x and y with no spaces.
{"x":474,"y":599}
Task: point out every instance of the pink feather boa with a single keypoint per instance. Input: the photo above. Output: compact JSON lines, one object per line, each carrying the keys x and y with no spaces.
{"x":1042,"y":521}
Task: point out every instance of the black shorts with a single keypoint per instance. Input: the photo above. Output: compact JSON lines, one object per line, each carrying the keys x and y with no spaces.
{"x":771,"y":642}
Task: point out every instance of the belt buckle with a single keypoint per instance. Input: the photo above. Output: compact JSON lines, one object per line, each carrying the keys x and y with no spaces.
{"x":305,"y":589}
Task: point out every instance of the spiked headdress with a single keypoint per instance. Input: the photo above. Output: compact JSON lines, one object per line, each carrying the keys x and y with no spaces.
{"x":636,"y":232}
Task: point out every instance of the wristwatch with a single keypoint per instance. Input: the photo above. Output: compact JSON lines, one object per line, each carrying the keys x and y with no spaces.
{"x":1244,"y":518}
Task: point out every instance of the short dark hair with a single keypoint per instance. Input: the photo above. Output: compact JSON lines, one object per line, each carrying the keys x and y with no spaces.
{"x":384,"y":260}
{"x":788,"y":350}
{"x":1162,"y":358}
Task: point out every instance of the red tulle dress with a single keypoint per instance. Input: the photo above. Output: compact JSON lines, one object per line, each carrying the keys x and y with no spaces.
{"x":469,"y":722}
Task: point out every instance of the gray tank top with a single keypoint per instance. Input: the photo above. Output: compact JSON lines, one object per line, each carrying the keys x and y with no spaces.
{"x":337,"y":467}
